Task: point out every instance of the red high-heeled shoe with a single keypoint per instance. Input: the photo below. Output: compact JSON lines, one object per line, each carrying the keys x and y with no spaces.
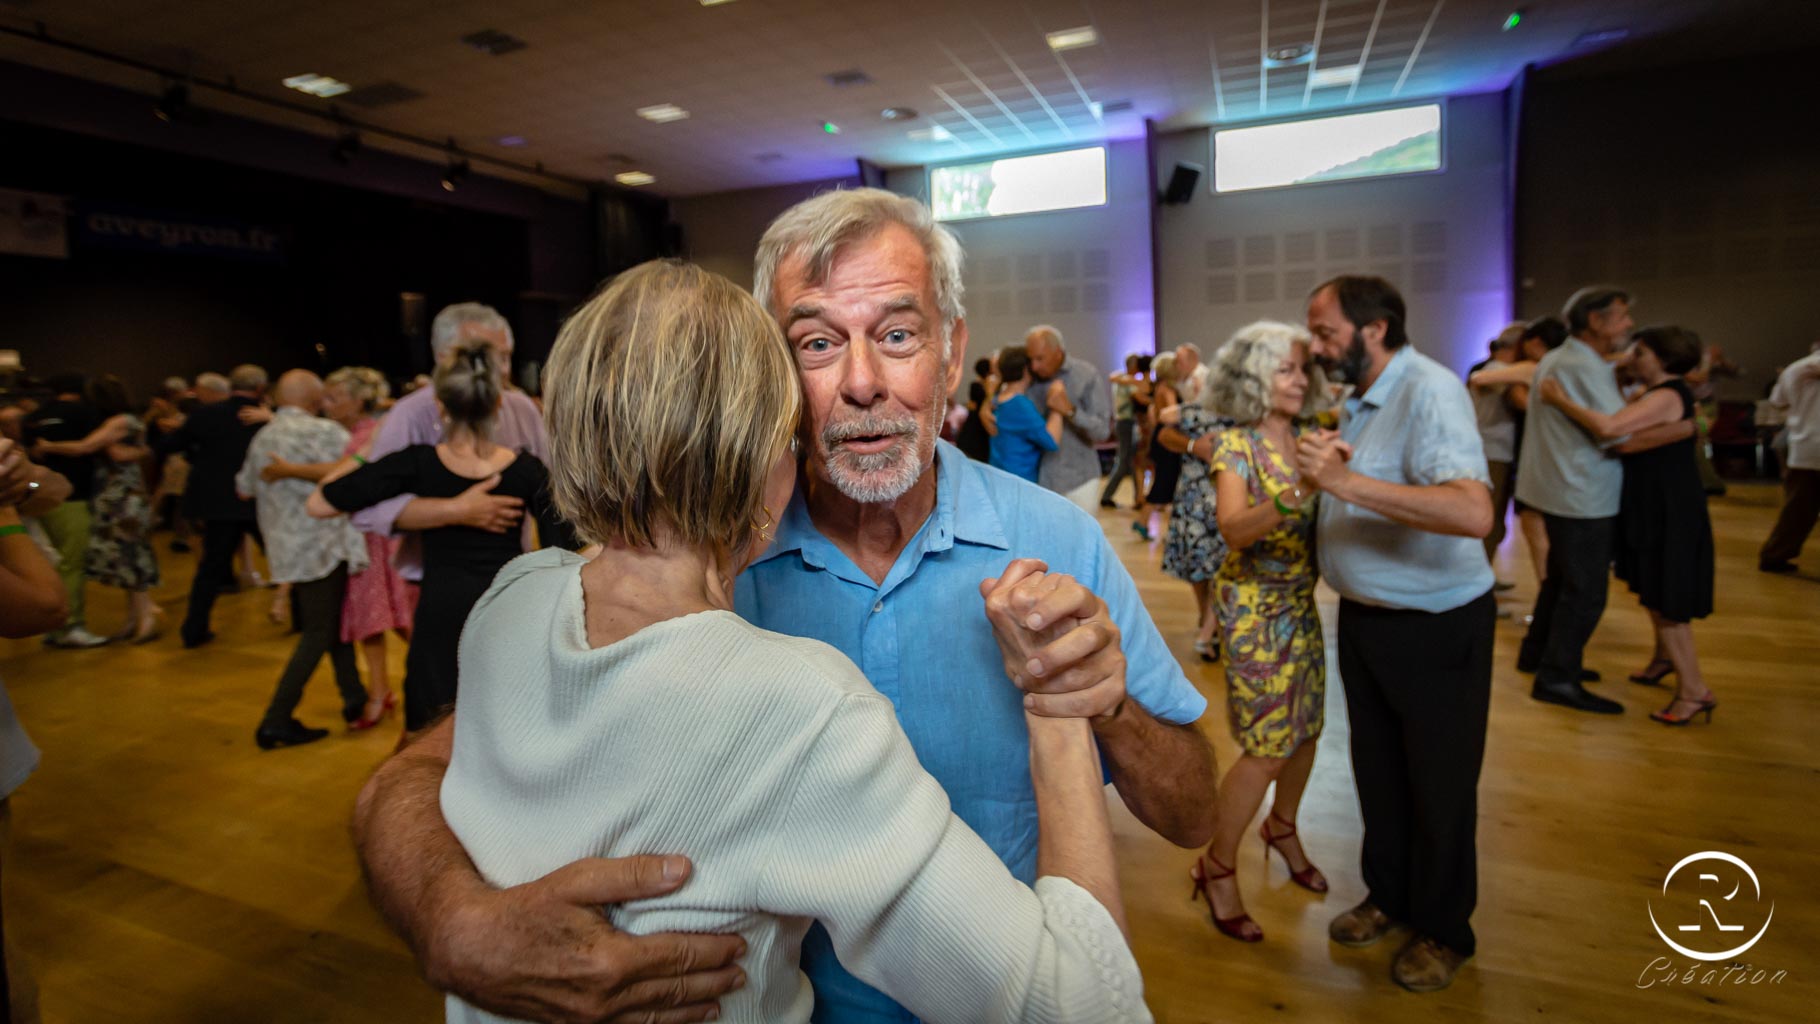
{"x":365,"y":722}
{"x":1310,"y":877}
{"x":1241,"y":926}
{"x":1667,"y":715}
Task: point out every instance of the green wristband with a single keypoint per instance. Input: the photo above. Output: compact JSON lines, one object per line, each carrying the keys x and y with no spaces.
{"x":1277,"y":500}
{"x":8,"y":531}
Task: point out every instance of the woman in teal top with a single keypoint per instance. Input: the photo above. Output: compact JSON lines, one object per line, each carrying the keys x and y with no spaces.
{"x":1021,"y":432}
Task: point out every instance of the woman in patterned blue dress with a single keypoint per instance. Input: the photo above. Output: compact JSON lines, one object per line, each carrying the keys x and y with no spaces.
{"x":1192,"y":549}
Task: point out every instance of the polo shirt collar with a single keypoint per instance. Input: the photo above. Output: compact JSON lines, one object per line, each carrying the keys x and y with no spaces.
{"x":963,"y":511}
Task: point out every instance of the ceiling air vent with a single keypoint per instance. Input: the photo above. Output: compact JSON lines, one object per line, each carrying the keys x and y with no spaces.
{"x":1116,"y":107}
{"x":843,"y":79}
{"x":380,"y":94}
{"x":493,"y":41}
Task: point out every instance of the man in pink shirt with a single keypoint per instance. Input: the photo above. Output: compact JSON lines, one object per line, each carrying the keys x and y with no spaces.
{"x":417,"y":420}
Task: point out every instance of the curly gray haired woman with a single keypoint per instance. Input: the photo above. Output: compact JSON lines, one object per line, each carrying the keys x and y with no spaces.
{"x":1263,"y":596}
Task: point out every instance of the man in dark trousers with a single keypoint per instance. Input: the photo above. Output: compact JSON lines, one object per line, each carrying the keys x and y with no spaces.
{"x":215,"y":440}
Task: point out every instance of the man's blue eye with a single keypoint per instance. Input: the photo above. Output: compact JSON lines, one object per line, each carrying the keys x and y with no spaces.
{"x":817,"y":345}
{"x":898,"y":335}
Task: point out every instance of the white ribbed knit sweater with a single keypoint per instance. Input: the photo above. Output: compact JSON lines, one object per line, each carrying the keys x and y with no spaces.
{"x":771,"y":763}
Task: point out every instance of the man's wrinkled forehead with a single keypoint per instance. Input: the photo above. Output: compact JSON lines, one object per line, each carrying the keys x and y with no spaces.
{"x":890,"y":250}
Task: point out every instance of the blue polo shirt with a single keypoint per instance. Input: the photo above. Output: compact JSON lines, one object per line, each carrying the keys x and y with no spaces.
{"x":922,"y":638}
{"x":1414,"y":426}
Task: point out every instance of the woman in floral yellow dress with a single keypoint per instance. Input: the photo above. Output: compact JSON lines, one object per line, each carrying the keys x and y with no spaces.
{"x":1264,"y":592}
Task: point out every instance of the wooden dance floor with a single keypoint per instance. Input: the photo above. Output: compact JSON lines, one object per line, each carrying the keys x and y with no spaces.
{"x":164,"y":869}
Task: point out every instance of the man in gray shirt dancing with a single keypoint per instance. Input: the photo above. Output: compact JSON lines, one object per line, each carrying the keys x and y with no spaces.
{"x":1575,"y":482}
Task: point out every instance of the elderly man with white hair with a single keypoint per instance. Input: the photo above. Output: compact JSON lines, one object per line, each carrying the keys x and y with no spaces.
{"x":1078,"y":390}
{"x":892,"y":537}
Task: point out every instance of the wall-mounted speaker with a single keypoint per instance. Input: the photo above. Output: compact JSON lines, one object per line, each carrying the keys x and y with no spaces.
{"x":1181,"y":184}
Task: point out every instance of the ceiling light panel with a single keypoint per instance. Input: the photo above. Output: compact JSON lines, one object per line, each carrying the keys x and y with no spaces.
{"x":663,"y":113}
{"x":1073,"y":38}
{"x":633,"y":178}
{"x":317,"y":85}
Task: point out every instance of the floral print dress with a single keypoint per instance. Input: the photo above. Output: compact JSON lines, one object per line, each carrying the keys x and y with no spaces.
{"x":1275,"y":658}
{"x":119,"y":546}
{"x":1193,"y":548}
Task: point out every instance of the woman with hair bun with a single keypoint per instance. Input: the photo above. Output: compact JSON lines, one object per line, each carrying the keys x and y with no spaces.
{"x":459,"y":562}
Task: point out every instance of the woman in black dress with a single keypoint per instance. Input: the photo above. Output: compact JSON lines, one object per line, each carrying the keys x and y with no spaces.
{"x":1166,"y":464}
{"x":1664,"y":547}
{"x":459,"y":562}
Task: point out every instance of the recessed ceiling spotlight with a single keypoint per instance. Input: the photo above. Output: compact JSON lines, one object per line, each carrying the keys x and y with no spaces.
{"x":898,"y":114}
{"x":714,"y":3}
{"x":933,"y":133}
{"x":830,"y":128}
{"x":633,"y":178}
{"x":1072,"y":38}
{"x":1284,"y":56}
{"x":663,"y":113}
{"x":1327,"y":78}
{"x":511,"y":140}
{"x":317,"y":85}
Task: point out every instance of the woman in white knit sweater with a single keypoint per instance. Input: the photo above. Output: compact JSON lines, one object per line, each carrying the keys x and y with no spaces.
{"x":617,"y":706}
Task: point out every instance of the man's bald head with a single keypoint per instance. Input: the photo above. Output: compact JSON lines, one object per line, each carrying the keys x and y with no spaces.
{"x":299,"y":389}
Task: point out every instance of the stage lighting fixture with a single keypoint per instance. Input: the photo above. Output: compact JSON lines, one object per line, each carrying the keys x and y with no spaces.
{"x":346,"y":147}
{"x":174,"y":105}
{"x":457,"y":172}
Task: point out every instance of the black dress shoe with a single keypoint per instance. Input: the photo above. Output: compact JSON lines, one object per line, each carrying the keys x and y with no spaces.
{"x":1587,"y":675}
{"x":291,"y":734}
{"x":192,"y":642}
{"x":1573,"y":695}
{"x":1780,"y":568}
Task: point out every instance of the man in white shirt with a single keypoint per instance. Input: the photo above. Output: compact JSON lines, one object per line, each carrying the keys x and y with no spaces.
{"x":313,"y":555}
{"x":1797,"y":392}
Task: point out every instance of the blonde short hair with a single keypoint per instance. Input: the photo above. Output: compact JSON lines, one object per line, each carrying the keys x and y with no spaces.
{"x":1162,"y":369}
{"x":669,"y":397}
{"x":1239,"y":380}
{"x":361,"y":382}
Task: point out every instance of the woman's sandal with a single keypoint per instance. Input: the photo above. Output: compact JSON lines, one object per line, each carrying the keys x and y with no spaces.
{"x":1239,"y":926}
{"x":1310,"y":877}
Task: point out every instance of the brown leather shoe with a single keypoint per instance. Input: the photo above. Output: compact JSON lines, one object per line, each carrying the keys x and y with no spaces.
{"x":1425,"y":965}
{"x":1360,"y":926}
